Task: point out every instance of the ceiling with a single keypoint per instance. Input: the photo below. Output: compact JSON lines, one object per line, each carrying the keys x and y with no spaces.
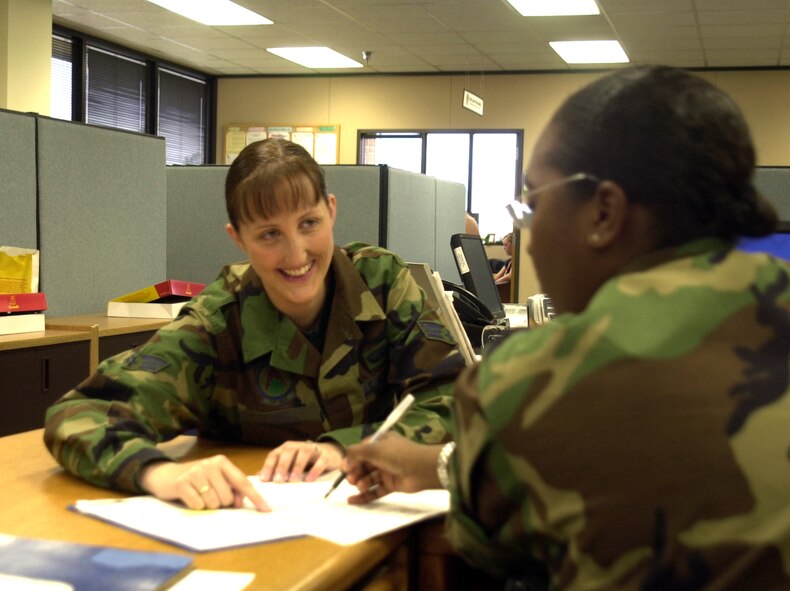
{"x":433,"y":36}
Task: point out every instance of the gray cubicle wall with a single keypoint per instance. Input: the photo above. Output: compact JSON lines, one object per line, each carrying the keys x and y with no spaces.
{"x":359,"y":191}
{"x":774,"y":183}
{"x":102,"y":214}
{"x":450,"y":219}
{"x":411,"y":216}
{"x":197,"y":244}
{"x":17,"y":180}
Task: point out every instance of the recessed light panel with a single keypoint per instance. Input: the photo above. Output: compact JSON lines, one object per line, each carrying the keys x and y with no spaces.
{"x":590,"y":52}
{"x":315,"y":57}
{"x":555,"y":7}
{"x":214,"y":13}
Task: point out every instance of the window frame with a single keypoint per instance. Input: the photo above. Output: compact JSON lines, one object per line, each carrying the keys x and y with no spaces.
{"x":80,"y":42}
{"x":363,"y":134}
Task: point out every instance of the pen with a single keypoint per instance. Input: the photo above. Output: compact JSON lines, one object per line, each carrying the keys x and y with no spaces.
{"x":391,"y":419}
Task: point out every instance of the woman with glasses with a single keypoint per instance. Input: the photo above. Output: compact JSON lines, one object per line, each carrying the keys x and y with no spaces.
{"x":642,"y":439}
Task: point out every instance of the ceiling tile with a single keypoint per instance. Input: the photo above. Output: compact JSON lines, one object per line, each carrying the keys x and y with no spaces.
{"x":438,"y":35}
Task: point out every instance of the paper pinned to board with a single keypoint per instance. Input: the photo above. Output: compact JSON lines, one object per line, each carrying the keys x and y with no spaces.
{"x":298,"y":509}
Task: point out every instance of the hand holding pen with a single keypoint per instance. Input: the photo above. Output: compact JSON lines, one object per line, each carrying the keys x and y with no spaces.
{"x":394,"y":416}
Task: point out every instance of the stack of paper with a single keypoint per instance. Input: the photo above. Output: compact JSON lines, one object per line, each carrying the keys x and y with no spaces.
{"x":298,"y":509}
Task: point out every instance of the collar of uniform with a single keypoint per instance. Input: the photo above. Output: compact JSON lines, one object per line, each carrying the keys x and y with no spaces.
{"x":264,"y":326}
{"x":352,"y":292}
{"x":266,"y":330}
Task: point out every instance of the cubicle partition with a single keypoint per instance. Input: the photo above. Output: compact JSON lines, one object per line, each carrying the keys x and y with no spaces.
{"x":102,"y":216}
{"x":18,"y":180}
{"x":774,"y":183}
{"x":197,"y":244}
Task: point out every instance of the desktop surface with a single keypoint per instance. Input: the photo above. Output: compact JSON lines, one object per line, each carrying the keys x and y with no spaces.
{"x":36,"y":493}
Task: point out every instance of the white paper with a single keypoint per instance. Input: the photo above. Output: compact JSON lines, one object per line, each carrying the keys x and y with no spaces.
{"x":298,"y":509}
{"x":211,"y":580}
{"x":15,"y":583}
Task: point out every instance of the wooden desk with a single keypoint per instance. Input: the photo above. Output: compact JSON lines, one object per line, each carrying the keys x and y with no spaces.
{"x":113,"y":334}
{"x":36,"y":492}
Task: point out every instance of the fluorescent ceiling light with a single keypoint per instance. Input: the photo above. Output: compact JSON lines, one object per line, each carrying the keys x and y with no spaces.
{"x":315,"y":57}
{"x":214,"y":13}
{"x":590,"y":52}
{"x":555,"y":7}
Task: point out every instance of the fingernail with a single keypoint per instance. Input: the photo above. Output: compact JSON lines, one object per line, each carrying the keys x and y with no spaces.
{"x":278,"y":477}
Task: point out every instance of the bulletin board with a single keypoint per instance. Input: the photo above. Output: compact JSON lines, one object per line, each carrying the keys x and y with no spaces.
{"x":321,"y":141}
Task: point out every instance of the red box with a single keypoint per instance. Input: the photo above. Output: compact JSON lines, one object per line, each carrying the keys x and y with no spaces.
{"x":19,"y":303}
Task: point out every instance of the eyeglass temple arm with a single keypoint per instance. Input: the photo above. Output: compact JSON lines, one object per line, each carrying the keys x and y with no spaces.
{"x":521,"y":214}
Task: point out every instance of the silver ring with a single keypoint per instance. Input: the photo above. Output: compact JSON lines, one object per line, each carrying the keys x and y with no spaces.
{"x":204,"y":489}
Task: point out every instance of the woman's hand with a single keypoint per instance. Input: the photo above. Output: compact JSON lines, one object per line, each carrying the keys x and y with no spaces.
{"x":295,"y":461}
{"x":201,"y":484}
{"x":391,"y":464}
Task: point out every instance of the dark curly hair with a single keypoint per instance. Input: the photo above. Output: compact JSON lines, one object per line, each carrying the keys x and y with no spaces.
{"x":270,"y":176}
{"x":673,"y":142}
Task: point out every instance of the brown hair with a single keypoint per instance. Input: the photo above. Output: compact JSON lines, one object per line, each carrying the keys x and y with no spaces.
{"x":271,"y":176}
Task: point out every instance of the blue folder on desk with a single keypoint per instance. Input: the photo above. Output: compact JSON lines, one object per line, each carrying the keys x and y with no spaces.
{"x":89,"y":568}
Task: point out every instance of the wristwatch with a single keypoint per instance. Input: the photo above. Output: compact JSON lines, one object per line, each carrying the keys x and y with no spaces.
{"x":441,"y":464}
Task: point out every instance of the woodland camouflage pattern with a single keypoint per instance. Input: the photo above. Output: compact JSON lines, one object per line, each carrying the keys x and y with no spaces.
{"x":234,"y":368}
{"x":642,"y":444}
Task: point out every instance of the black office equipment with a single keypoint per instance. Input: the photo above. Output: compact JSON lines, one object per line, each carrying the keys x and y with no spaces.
{"x":472,"y":262}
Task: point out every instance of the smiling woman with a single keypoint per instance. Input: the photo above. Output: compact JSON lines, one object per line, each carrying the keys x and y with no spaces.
{"x":305,"y":348}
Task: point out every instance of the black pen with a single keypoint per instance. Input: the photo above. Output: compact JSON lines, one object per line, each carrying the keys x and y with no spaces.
{"x":391,"y":419}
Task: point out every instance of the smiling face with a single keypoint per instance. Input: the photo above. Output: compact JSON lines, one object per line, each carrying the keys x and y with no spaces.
{"x":291,"y":251}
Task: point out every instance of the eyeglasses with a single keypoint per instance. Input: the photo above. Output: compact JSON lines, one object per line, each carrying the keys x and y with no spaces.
{"x":520,"y":211}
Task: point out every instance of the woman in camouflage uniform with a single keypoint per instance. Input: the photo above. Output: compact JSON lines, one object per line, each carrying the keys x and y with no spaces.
{"x":642,"y":439}
{"x":305,"y":348}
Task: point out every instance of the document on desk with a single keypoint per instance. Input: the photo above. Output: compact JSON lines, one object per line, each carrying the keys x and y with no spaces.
{"x":298,"y":509}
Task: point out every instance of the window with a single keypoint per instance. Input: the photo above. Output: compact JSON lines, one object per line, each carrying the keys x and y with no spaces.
{"x":99,"y":83}
{"x":487,"y":163}
{"x":115,"y":90}
{"x":398,"y":150}
{"x":60,"y":94}
{"x":182,"y":117}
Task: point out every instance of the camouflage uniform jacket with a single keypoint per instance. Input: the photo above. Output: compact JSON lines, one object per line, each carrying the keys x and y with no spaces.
{"x":234,"y":368}
{"x":642,"y":444}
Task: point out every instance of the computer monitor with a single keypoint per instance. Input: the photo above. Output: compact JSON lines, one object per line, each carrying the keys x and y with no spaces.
{"x":472,"y":262}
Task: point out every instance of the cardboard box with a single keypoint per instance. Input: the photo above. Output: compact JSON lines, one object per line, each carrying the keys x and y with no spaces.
{"x":18,"y":323}
{"x":183,"y":290}
{"x":144,"y":309}
{"x":161,"y":300}
{"x":15,"y":303}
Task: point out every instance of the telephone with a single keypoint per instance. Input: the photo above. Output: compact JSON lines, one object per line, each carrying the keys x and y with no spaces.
{"x":469,"y":307}
{"x":540,"y":310}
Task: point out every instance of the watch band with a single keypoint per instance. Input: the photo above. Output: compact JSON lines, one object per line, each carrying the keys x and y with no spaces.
{"x":441,"y":464}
